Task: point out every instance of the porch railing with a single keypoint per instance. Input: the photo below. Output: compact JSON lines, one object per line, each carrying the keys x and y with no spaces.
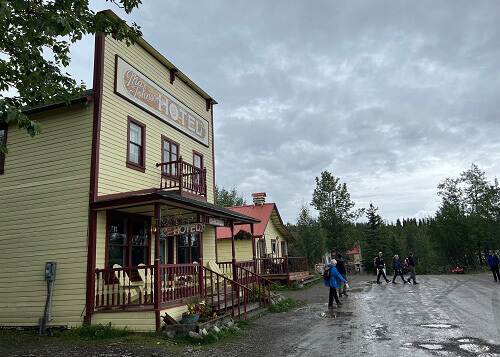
{"x":183,"y":176}
{"x":179,"y":281}
{"x":281,"y":266}
{"x":124,"y":287}
{"x":222,"y":294}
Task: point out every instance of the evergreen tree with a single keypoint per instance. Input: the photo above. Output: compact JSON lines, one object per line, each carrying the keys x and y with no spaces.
{"x":336,"y":210}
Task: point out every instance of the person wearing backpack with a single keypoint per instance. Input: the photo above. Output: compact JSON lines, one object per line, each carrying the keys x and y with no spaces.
{"x":330,"y":276}
{"x":341,"y":269}
{"x":380,"y":265}
{"x":410,"y":263}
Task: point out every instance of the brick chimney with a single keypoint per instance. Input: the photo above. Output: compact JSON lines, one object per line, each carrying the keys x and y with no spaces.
{"x":259,"y":198}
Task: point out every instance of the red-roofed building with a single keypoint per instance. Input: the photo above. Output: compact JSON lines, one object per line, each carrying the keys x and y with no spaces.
{"x":269,"y":249}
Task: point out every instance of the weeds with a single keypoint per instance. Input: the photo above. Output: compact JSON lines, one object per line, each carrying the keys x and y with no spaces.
{"x":95,"y":333}
{"x":286,"y":304}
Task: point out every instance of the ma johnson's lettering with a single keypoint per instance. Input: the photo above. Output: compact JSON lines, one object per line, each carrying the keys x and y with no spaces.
{"x":139,"y":89}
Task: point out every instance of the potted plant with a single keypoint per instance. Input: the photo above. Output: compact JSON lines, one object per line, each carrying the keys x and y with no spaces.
{"x":196,"y":307}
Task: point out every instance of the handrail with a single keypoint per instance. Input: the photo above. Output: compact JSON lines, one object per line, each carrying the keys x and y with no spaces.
{"x":251,"y":272}
{"x":184,"y":176}
{"x":224,"y":277}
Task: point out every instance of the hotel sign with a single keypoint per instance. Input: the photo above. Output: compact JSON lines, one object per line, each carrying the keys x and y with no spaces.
{"x":134,"y":86}
{"x":182,"y":229}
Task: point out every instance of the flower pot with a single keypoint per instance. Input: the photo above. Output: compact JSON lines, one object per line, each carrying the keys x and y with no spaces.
{"x":190,"y":319}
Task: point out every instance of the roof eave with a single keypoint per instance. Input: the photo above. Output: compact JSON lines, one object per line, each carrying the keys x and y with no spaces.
{"x":165,"y":62}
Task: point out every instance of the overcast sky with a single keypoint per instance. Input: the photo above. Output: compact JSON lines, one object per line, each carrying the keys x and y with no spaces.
{"x":390,"y":96}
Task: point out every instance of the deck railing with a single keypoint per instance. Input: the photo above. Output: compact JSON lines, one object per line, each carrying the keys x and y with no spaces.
{"x":183,"y":176}
{"x":224,"y":294}
{"x":124,"y":287}
{"x":179,"y":281}
{"x":281,"y":266}
{"x":134,"y":287}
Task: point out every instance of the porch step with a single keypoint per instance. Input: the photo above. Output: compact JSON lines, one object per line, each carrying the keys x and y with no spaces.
{"x":312,"y":279}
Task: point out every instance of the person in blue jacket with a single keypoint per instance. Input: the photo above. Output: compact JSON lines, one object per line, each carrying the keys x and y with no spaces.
{"x":494,"y":261}
{"x":333,"y":283}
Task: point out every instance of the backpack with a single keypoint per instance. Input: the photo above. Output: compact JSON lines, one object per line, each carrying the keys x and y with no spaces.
{"x":327,"y":274}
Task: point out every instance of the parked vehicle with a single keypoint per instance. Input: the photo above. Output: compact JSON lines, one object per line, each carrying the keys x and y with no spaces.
{"x":458,"y":270}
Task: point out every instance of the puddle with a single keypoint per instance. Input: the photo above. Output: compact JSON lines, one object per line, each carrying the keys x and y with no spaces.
{"x":336,"y":314}
{"x":355,"y":290}
{"x":376,"y":332}
{"x":432,"y":347}
{"x":464,"y":340}
{"x":437,"y":326}
{"x":474,"y":348}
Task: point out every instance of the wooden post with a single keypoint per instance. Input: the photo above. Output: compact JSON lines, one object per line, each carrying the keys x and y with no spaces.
{"x":287,"y":271}
{"x":157,"y":266}
{"x":235,"y":272}
{"x":307,"y":265}
{"x":200,"y":255}
{"x":181,"y":176}
{"x":253,"y":249}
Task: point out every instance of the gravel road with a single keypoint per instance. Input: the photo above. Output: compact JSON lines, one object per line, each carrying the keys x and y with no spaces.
{"x":444,"y":315}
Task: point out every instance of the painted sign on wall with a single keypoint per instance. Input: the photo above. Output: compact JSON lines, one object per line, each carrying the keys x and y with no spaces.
{"x":216,"y":221}
{"x":142,"y":91}
{"x":182,"y":229}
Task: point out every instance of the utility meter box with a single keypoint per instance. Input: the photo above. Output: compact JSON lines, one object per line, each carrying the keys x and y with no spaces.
{"x":50,"y":271}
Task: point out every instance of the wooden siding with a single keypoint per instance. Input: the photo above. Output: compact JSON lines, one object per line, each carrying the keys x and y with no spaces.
{"x":114,"y":176}
{"x":133,"y":320}
{"x":272,"y":233}
{"x":243,"y":250}
{"x":44,"y":217}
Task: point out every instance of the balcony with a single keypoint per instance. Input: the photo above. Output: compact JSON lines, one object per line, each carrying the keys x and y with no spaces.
{"x":183,"y":177}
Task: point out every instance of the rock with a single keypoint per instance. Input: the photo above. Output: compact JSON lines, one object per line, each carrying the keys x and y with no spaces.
{"x":215,"y":329}
{"x":195,"y":335}
{"x":230,"y":323}
{"x":171,"y":334}
{"x":189,"y":349}
{"x":204,"y":332}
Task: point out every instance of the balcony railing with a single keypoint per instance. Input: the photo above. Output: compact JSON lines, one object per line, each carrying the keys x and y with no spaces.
{"x":183,"y":176}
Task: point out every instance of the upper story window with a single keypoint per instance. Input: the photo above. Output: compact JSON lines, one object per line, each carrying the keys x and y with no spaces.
{"x":3,"y":140}
{"x":170,"y":153}
{"x":136,"y":141}
{"x":198,"y":160}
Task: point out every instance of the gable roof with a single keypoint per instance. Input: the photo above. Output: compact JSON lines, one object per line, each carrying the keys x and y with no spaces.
{"x":264,"y":212}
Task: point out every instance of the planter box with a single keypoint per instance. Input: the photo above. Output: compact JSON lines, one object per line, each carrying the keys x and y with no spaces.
{"x":185,"y":328}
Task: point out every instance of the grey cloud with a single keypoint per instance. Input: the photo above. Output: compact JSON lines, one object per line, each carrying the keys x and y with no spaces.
{"x":391,"y":96}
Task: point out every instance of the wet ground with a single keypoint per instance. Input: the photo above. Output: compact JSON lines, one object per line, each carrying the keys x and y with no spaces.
{"x":442,"y":316}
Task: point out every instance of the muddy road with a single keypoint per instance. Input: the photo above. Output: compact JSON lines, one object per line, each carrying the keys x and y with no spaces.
{"x":444,"y":315}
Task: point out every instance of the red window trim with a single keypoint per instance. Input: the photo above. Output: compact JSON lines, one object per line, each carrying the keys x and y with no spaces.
{"x":5,"y":127}
{"x":172,"y":142}
{"x":130,"y":164}
{"x":201,"y":156}
{"x":128,"y":216}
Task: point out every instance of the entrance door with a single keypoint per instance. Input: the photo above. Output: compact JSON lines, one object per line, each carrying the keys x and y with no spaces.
{"x":163,"y":250}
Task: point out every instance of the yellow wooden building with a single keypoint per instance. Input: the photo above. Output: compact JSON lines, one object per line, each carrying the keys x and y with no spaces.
{"x":119,"y":192}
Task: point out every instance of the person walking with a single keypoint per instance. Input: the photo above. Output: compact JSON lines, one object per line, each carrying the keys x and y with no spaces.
{"x":493,"y":262}
{"x":410,"y":263}
{"x":341,"y":269}
{"x":380,"y":265}
{"x":330,"y":276}
{"x":397,"y":269}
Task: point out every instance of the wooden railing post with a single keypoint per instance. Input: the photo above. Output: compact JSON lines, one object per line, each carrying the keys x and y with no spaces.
{"x":287,"y":270}
{"x":307,"y":265}
{"x":157,"y":293}
{"x":181,"y":174}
